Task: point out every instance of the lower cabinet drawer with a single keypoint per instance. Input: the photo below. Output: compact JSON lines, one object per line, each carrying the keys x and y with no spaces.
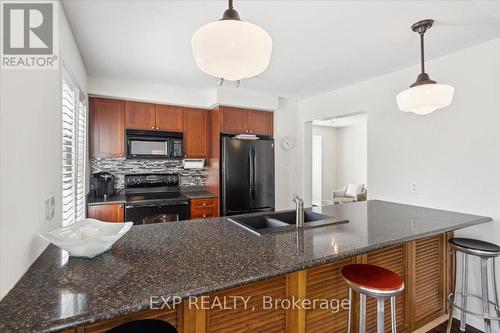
{"x":107,"y":212}
{"x":208,"y":202}
{"x":202,"y":208}
{"x":203,"y":212}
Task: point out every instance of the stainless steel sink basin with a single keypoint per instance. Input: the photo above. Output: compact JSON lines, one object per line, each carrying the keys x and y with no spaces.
{"x":265,"y":223}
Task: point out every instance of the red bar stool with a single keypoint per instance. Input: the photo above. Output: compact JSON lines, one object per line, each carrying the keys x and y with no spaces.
{"x":377,"y":282}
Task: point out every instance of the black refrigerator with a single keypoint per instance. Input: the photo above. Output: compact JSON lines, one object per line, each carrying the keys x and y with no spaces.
{"x":247,"y":176}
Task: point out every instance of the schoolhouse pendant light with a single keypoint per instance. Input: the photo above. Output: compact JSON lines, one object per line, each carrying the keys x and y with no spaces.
{"x":425,"y":95}
{"x":231,"y":49}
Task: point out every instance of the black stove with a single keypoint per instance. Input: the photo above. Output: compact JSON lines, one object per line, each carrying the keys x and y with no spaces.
{"x":154,"y":198}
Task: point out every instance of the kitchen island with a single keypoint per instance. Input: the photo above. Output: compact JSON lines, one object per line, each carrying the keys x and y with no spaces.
{"x":155,"y":265}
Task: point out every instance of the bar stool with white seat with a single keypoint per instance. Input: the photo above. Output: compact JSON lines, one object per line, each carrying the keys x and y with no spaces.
{"x":377,"y":282}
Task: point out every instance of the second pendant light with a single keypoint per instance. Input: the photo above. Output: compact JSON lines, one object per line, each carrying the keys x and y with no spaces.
{"x":425,"y":95}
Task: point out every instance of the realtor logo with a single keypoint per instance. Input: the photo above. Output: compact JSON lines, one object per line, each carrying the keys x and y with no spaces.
{"x":29,"y":33}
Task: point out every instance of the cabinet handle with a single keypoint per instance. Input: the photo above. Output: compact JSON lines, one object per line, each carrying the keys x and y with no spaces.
{"x":204,"y":204}
{"x":153,"y":127}
{"x":204,"y":215}
{"x":251,"y":132}
{"x":157,"y":128}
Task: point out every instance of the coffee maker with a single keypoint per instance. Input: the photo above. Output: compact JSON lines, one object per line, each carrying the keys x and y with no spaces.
{"x":103,"y":184}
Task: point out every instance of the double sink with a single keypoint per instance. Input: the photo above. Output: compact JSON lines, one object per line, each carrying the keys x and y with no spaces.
{"x":266,"y":223}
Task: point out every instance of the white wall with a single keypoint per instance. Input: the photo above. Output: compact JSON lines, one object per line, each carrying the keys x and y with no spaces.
{"x":30,"y":157}
{"x":317,"y":181}
{"x":174,"y":95}
{"x":286,"y":162}
{"x":452,"y":154}
{"x":329,"y":160}
{"x":352,"y":155}
{"x":155,"y":93}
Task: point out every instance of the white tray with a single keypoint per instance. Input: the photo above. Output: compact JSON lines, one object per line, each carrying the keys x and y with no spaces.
{"x":88,"y":237}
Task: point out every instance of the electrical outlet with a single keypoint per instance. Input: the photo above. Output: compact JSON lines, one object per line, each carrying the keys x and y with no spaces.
{"x":413,"y":187}
{"x":50,"y":207}
{"x":414,"y":224}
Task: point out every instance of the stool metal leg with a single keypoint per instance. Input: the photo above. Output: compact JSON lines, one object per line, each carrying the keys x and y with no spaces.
{"x":485,"y":297}
{"x":380,"y":315}
{"x":450,"y":319}
{"x":393,"y":314}
{"x":350,"y":312}
{"x":495,"y":290}
{"x":465,"y":283}
{"x":362,"y":313}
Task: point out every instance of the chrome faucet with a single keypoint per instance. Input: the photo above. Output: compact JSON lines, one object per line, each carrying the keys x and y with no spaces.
{"x":299,"y":212}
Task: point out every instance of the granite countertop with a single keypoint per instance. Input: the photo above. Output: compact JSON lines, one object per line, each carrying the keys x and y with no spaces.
{"x":199,"y":194}
{"x":119,"y":197}
{"x":116,"y":198}
{"x":202,"y":256}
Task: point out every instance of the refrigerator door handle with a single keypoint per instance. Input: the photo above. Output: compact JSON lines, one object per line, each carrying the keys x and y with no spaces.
{"x":250,"y":176}
{"x":254,"y":173}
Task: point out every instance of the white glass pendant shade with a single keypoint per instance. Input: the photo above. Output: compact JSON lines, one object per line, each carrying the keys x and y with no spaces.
{"x":232,"y":49}
{"x":425,"y":98}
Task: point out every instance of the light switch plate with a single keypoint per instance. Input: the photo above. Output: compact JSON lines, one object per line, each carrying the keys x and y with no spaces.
{"x":50,"y":207}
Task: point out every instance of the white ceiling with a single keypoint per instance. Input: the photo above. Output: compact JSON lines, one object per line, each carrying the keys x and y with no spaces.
{"x":317,"y":45}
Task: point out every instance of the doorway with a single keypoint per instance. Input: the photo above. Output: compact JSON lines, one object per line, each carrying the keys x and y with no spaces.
{"x":339,"y":160}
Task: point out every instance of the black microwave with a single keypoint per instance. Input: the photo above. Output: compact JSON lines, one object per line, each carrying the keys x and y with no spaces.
{"x":154,"y":144}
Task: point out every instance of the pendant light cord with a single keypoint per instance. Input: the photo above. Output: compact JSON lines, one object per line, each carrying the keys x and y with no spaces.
{"x":230,"y":4}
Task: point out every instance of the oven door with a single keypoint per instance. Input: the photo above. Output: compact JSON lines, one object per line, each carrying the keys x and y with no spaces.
{"x":144,"y":213}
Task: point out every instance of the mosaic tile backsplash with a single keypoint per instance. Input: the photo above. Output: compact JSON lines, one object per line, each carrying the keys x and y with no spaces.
{"x":119,"y":167}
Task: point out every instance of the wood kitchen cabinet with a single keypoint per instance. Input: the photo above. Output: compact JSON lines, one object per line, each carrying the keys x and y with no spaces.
{"x":168,"y":118}
{"x":153,"y":117}
{"x":195,"y":129}
{"x":106,"y":128}
{"x":140,"y":116}
{"x":260,"y":122}
{"x":233,"y":120}
{"x":106,"y":212}
{"x":236,"y":120}
{"x":203,"y":208}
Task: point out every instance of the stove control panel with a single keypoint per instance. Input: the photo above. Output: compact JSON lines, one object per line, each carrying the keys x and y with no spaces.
{"x":151,"y":180}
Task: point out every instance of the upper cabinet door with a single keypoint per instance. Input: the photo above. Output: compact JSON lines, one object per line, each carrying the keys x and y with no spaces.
{"x":234,"y":120}
{"x":260,"y":122}
{"x":169,"y":118}
{"x":140,"y":116}
{"x":106,"y":128}
{"x":195,"y":124}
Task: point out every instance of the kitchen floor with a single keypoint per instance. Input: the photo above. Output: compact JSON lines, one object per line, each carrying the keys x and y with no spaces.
{"x":454,"y":329}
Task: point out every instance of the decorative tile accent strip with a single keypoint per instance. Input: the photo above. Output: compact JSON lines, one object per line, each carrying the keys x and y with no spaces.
{"x":119,"y":167}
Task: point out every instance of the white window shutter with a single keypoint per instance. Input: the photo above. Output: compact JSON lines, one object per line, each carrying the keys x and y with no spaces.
{"x":74,"y":124}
